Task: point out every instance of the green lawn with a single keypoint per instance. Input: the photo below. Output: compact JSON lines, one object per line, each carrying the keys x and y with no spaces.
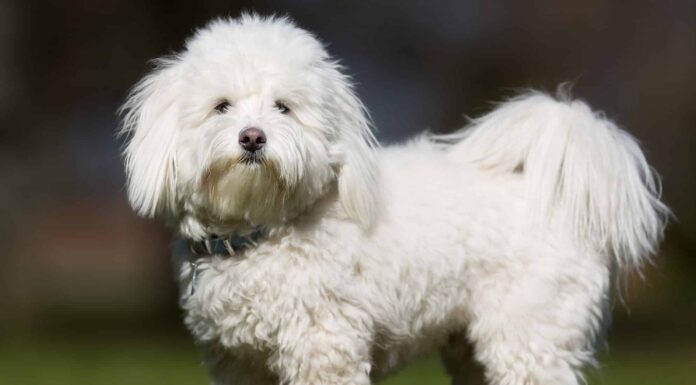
{"x":174,"y":362}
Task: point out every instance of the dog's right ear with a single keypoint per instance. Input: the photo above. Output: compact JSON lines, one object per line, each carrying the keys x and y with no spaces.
{"x":150,"y":122}
{"x":355,"y":150}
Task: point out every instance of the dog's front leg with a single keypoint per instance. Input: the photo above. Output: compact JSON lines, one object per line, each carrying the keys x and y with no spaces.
{"x":328,"y":347}
{"x":225,"y":368}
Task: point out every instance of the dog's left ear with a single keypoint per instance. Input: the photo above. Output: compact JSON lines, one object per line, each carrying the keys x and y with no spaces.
{"x":357,"y":169}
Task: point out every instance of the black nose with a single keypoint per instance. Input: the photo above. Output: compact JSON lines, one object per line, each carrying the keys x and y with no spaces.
{"x":252,"y":139}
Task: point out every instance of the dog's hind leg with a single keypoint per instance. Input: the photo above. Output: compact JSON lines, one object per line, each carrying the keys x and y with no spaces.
{"x":540,"y":327}
{"x":458,"y":359}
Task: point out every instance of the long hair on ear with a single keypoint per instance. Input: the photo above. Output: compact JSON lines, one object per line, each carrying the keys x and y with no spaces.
{"x":357,"y":170}
{"x":150,"y":124}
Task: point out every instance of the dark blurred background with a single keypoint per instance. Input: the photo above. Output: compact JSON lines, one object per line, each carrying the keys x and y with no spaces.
{"x":86,"y":292}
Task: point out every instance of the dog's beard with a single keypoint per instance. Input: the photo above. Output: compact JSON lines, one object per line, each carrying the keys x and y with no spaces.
{"x":245,"y":188}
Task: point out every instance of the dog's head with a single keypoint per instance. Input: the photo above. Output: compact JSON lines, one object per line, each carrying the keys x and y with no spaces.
{"x":252,"y":122}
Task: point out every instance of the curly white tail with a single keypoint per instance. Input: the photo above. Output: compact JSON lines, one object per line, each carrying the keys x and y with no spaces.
{"x":578,"y":166}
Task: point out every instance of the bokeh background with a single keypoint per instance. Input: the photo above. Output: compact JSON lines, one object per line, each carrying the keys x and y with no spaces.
{"x":86,"y":294}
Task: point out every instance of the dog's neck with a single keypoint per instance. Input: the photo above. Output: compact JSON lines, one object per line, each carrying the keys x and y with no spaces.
{"x":197,"y":224}
{"x":195,"y":229}
{"x":230,"y":244}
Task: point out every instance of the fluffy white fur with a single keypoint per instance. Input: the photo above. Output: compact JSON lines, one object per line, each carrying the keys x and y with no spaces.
{"x":501,"y":237}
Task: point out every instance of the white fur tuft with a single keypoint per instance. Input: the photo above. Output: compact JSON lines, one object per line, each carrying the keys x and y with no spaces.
{"x":578,"y":166}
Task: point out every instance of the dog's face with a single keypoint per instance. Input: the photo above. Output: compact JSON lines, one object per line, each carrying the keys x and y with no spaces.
{"x":252,"y":122}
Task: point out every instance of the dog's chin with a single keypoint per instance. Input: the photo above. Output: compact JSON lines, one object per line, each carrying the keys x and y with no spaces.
{"x":245,"y":188}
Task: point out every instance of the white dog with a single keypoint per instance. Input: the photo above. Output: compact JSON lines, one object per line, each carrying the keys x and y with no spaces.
{"x":317,"y":257}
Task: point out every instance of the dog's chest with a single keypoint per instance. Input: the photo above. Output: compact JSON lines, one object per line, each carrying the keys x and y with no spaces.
{"x":231,"y":302}
{"x":245,"y":302}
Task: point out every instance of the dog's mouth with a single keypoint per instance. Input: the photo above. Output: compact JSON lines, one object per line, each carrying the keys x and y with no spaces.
{"x":252,"y":158}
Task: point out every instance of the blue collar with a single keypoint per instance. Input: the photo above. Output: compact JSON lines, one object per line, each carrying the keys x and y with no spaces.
{"x":228,"y":245}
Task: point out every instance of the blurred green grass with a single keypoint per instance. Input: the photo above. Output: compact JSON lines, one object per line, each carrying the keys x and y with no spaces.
{"x":176,"y":361}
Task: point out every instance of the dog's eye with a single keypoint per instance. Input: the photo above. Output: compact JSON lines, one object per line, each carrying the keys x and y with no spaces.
{"x":222,"y":107}
{"x":282,"y":107}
